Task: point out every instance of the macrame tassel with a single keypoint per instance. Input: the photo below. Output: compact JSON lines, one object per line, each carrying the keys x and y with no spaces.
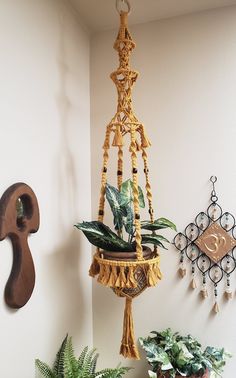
{"x":101,"y":273}
{"x":193,"y":284}
{"x":131,"y":281}
{"x":158,"y":272}
{"x":118,"y":139}
{"x":228,"y":294}
{"x":153,"y":275}
{"x":121,"y":279}
{"x":216,"y":308}
{"x":145,"y":141}
{"x":106,"y":275}
{"x":94,"y":268}
{"x":128,"y":348}
{"x":204,"y":293}
{"x":182,"y":272}
{"x":113,"y":277}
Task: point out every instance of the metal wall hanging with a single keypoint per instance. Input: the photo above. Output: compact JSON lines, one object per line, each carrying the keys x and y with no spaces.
{"x":208,"y":244}
{"x":19,"y":216}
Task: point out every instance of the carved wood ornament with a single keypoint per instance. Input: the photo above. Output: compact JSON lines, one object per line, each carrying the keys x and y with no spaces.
{"x":19,"y":217}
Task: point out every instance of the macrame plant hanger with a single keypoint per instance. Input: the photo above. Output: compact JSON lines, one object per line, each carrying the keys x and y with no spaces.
{"x":126,"y":278}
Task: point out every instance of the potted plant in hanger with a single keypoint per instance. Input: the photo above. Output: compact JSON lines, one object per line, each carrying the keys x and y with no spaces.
{"x":121,"y":245}
{"x":123,"y":260}
{"x":171,"y":355}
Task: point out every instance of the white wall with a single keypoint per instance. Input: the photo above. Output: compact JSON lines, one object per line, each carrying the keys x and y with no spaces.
{"x":45,"y":142}
{"x":186,"y":98}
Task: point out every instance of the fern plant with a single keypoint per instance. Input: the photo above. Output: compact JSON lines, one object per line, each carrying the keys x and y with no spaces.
{"x":66,"y":365}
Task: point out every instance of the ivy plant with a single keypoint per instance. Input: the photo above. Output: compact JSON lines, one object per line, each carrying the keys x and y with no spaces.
{"x":182,"y":355}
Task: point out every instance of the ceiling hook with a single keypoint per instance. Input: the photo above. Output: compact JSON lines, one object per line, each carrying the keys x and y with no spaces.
{"x":213,"y":179}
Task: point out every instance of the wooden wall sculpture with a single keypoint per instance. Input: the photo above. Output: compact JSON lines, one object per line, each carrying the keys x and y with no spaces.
{"x":19,"y":216}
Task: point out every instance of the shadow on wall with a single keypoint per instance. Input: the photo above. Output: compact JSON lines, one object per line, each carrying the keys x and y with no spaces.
{"x":65,"y":262}
{"x":63,"y":269}
{"x":67,"y":183}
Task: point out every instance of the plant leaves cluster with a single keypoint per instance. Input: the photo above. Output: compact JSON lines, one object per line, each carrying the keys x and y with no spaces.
{"x":66,"y":365}
{"x":182,"y":355}
{"x":121,"y":204}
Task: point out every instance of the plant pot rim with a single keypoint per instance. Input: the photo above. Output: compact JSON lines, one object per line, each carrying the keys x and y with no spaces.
{"x":126,"y":256}
{"x":166,"y":375}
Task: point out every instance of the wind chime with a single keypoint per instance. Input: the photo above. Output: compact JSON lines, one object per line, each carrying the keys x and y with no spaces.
{"x":127,"y":277}
{"x":208,"y":244}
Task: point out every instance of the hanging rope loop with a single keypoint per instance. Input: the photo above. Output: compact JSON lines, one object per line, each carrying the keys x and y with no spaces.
{"x":120,"y":4}
{"x":214,"y":197}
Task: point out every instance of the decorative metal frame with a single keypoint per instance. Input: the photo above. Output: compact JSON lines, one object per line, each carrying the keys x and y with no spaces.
{"x":209,"y":243}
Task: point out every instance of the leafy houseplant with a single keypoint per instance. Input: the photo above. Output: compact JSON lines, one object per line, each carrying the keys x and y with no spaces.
{"x":120,"y":202}
{"x":172,"y":355}
{"x":128,"y":269}
{"x":66,"y":365}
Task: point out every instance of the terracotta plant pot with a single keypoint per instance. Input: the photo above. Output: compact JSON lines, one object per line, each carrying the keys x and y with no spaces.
{"x":166,"y":375}
{"x":127,"y":256}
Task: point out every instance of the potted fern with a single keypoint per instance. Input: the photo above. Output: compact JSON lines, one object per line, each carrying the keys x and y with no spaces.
{"x":121,"y":244}
{"x":66,"y":365}
{"x":174,"y":356}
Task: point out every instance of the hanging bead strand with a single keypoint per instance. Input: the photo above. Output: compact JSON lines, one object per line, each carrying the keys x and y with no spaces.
{"x":204,"y":292}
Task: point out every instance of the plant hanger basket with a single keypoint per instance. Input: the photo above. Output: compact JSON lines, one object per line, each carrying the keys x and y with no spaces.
{"x":128,"y":274}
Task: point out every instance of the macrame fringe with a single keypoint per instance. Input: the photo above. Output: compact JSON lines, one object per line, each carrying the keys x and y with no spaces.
{"x":121,"y":276}
{"x":131,"y":281}
{"x":114,"y":276}
{"x":121,"y":279}
{"x":128,"y":348}
{"x":94,"y":268}
{"x":118,"y":138}
{"x":153,"y":275}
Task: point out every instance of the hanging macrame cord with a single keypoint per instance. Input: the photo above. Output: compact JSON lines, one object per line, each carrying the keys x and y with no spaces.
{"x":127,"y":278}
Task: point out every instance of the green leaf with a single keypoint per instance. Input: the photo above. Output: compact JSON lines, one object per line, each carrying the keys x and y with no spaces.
{"x":126,"y":191}
{"x":158,"y":224}
{"x":114,"y":199}
{"x":103,"y":237}
{"x":58,"y":366}
{"x":44,"y":369}
{"x":152,"y":374}
{"x":153,"y":239}
{"x":70,"y":361}
{"x":128,"y":220}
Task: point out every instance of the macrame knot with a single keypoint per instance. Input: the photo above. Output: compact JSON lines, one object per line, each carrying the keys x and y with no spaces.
{"x":118,"y":138}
